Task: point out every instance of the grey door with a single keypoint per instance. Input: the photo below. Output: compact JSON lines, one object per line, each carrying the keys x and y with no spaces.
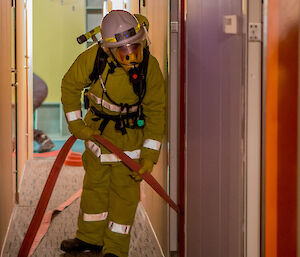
{"x":215,"y":93}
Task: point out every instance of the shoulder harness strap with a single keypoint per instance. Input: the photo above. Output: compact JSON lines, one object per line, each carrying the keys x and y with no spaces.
{"x":99,"y":65}
{"x":139,"y":86}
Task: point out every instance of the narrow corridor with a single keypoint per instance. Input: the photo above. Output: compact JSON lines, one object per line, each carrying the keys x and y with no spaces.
{"x":64,"y":224}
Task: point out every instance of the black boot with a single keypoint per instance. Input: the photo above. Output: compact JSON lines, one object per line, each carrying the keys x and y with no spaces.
{"x":43,"y":140}
{"x":76,"y":245}
{"x":110,"y":255}
{"x":46,"y":145}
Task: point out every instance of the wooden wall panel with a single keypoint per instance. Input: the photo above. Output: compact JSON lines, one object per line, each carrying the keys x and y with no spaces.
{"x":22,"y":91}
{"x":157,"y":13}
{"x":6,"y":196}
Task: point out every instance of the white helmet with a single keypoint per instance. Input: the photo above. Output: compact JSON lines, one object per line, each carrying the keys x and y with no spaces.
{"x":119,"y":28}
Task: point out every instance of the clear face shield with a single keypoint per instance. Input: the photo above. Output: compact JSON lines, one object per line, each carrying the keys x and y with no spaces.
{"x":129,"y":56}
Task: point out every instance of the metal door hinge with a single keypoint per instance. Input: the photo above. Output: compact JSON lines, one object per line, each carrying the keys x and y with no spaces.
{"x":14,"y":84}
{"x":174,"y":27}
{"x":255,"y":32}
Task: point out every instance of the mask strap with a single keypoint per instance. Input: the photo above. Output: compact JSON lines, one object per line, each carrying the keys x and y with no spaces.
{"x":146,"y":32}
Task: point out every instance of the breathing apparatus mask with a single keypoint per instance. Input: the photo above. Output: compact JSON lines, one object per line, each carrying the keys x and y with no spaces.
{"x":128,"y":56}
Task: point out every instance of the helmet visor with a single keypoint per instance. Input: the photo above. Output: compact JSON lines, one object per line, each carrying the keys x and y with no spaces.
{"x":129,"y":54}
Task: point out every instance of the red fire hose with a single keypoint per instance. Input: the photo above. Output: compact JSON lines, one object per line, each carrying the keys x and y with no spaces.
{"x":50,"y":183}
{"x":136,"y":167}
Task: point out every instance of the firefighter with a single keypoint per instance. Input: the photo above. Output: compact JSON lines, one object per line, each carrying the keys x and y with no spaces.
{"x":125,"y":95}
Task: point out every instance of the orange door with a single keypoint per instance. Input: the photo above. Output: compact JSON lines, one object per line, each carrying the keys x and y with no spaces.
{"x":281,"y":128}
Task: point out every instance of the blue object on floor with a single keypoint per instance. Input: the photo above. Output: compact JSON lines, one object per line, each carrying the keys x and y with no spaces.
{"x":77,"y":147}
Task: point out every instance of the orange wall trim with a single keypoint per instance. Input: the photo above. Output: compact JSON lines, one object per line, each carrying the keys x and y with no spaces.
{"x":271,"y":130}
{"x":281,"y":128}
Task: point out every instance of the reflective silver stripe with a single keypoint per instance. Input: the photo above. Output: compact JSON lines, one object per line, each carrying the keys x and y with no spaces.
{"x":75,"y":115}
{"x":118,"y":228}
{"x":113,"y":158}
{"x":152,"y":144}
{"x":95,"y":217}
{"x":109,"y":106}
{"x":94,"y":148}
{"x":110,"y":157}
